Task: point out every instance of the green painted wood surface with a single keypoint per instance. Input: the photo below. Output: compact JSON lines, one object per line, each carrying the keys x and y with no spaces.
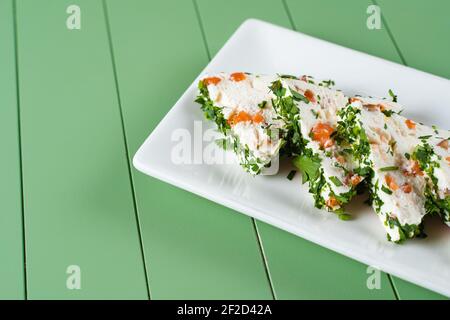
{"x":344,"y":23}
{"x":77,"y":193}
{"x":303,"y":270}
{"x":421,"y":31}
{"x":408,"y":291}
{"x":220,"y":19}
{"x":12,"y":284}
{"x":78,"y":199}
{"x":194,"y":248}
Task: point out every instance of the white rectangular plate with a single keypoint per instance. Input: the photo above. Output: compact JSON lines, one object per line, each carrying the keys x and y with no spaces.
{"x":287,"y":204}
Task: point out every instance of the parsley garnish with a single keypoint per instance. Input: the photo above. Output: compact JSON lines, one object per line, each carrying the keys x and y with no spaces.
{"x":388,"y":113}
{"x":288,"y":76}
{"x":309,"y":165}
{"x":326,"y":83}
{"x":435,"y":129}
{"x":211,"y":111}
{"x":224,"y":143}
{"x":336,"y":181}
{"x":262,"y":105}
{"x":386,"y":190}
{"x":298,"y":97}
{"x":392,"y":145}
{"x":277,"y":89}
{"x":394,"y":97}
{"x":291,"y":174}
{"x":391,"y":168}
{"x":288,"y":111}
{"x":344,"y":216}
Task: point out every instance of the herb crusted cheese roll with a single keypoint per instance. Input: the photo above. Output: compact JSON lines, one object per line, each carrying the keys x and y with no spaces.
{"x":342,"y":145}
{"x":432,"y":156}
{"x":241,"y":106}
{"x":380,"y":141}
{"x":310,"y":112}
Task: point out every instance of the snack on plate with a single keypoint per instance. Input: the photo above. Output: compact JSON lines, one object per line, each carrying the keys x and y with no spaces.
{"x":310,"y":111}
{"x":343,"y":145}
{"x":386,"y":147}
{"x":241,"y":106}
{"x":432,"y":155}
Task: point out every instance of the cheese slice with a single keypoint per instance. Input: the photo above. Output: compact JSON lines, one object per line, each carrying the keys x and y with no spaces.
{"x":342,"y":144}
{"x":311,"y":110}
{"x":241,"y":105}
{"x":432,"y":155}
{"x":384,"y":145}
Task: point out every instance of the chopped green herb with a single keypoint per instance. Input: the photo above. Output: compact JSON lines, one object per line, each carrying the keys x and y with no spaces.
{"x":345,"y":197}
{"x":336,"y":181}
{"x":277,"y":89}
{"x":224,"y":143}
{"x":288,"y":76}
{"x":211,"y":111}
{"x":291,"y":174}
{"x":298,"y":97}
{"x":345,"y":216}
{"x":394,"y":97}
{"x":391,"y":168}
{"x":262,"y":105}
{"x":309,"y":165}
{"x":392,"y":145}
{"x":425,"y":137}
{"x":435,"y":129}
{"x":388,"y":113}
{"x":288,"y":111}
{"x":327,"y":83}
{"x":386,"y":190}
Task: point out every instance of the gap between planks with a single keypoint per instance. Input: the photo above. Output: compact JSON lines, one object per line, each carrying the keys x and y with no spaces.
{"x":19,"y":131}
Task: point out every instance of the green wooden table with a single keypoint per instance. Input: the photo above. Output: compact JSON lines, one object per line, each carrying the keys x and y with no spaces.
{"x":76,"y":104}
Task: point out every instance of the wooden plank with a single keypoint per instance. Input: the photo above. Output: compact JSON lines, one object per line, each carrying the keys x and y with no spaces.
{"x":292,"y":275}
{"x":78,"y":197}
{"x":420,"y":29}
{"x":303,"y":270}
{"x":194,"y":248}
{"x":221,"y":18}
{"x":342,"y":24}
{"x":408,"y":291}
{"x":12,"y":284}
